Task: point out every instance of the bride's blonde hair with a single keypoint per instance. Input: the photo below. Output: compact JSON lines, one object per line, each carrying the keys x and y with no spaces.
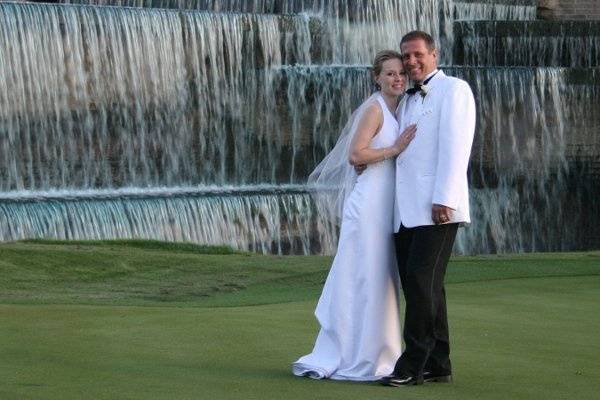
{"x":382,"y":57}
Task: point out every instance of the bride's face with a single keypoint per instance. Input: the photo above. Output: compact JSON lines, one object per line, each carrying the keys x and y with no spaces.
{"x":392,"y":78}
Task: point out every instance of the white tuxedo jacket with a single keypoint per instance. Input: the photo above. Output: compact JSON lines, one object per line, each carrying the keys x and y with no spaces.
{"x":433,"y":168}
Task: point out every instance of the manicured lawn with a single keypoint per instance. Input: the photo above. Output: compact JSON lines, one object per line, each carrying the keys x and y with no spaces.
{"x":146,"y":320}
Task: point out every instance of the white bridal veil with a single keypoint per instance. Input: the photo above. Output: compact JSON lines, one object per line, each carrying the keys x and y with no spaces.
{"x":333,"y":179}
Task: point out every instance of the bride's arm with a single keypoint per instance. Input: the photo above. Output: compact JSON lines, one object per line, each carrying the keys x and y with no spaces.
{"x":368,"y":127}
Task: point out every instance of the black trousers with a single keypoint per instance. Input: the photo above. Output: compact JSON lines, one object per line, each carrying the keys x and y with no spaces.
{"x":423,"y":253}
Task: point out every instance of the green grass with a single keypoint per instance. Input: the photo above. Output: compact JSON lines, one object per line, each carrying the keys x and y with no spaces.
{"x":140,"y":244}
{"x":134,"y":273}
{"x":148,"y":320}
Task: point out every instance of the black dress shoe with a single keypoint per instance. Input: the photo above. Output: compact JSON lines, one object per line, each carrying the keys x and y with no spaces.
{"x":401,"y":380}
{"x":432,"y":376}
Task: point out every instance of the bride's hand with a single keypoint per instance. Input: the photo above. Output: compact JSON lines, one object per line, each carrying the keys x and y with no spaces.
{"x":404,"y":139}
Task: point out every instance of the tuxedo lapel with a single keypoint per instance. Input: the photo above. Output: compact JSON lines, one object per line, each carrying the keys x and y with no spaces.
{"x":432,"y":89}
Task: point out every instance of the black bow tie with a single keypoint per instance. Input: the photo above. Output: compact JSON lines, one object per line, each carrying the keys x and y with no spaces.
{"x":415,"y":89}
{"x":419,"y":86}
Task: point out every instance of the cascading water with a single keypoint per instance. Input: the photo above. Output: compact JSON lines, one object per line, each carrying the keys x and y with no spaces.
{"x":259,"y":218}
{"x":140,"y":97}
{"x":569,"y":44}
{"x":519,"y":179}
{"x":485,"y":11}
{"x":118,"y":122}
{"x":348,"y":29}
{"x":128,"y":97}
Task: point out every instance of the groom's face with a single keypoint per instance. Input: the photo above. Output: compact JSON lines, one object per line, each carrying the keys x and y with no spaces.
{"x":419,"y":61}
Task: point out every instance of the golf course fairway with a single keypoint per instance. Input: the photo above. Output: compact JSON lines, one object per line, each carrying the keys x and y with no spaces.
{"x":150,"y":320}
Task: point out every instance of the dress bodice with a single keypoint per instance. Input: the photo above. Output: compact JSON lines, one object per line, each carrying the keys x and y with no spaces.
{"x":389,"y":130}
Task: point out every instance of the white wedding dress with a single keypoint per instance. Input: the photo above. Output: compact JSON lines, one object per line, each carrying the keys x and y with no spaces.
{"x":358,"y":309}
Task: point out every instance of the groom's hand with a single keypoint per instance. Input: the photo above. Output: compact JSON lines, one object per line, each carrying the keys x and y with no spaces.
{"x":360,"y":168}
{"x":441,"y":214}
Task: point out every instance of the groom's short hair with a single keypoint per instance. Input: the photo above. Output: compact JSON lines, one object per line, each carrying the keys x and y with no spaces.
{"x":419,"y":35}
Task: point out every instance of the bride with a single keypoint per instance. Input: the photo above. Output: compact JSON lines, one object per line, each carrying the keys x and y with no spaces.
{"x":358,"y":309}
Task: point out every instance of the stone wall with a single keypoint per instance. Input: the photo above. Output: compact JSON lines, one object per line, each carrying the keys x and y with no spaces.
{"x":569,"y":10}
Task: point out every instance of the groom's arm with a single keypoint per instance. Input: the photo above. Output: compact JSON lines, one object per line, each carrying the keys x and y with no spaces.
{"x":457,"y":128}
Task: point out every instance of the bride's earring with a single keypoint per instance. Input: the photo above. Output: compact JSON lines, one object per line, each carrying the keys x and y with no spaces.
{"x":377,"y":85}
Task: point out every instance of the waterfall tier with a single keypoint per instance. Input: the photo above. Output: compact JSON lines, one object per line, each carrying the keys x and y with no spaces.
{"x":361,"y":10}
{"x":515,"y":10}
{"x":544,"y":43}
{"x":284,"y":219}
{"x":300,"y":112}
{"x":263,"y":219}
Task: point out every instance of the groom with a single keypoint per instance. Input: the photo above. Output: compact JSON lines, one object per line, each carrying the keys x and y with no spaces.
{"x":432,"y":199}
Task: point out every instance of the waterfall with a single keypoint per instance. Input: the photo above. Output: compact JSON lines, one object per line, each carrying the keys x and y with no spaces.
{"x":261,"y":218}
{"x":147,"y":97}
{"x":490,"y":11}
{"x":518,"y":179}
{"x":348,"y":30}
{"x":200,"y":121}
{"x":570,"y":44}
{"x":128,"y":97}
